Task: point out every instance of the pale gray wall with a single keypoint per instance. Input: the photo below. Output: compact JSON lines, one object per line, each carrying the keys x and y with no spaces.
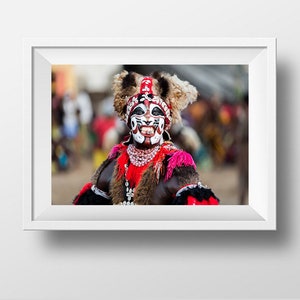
{"x":150,"y":265}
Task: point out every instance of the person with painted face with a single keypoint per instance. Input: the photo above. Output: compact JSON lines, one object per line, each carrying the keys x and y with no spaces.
{"x":147,"y":168}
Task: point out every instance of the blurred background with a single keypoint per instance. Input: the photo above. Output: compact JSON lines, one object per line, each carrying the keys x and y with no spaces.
{"x":214,"y":129}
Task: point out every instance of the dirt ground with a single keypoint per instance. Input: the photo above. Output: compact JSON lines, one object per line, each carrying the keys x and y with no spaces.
{"x":65,"y":185}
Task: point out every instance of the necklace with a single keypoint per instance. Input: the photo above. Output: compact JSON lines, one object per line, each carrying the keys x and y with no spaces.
{"x":129,"y":191}
{"x":139,"y":157}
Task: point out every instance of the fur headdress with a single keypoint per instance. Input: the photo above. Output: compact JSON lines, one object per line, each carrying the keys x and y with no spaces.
{"x":171,"y":93}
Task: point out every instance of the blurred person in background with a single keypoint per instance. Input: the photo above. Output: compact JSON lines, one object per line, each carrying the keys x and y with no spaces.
{"x":71,"y":125}
{"x":61,"y":148}
{"x":147,"y":168}
{"x":70,"y":117}
{"x":85,"y":109}
{"x":228,"y":126}
{"x":204,"y":114}
{"x":108,"y":130}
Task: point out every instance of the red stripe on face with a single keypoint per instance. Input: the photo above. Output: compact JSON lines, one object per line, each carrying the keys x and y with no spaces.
{"x":159,"y":131}
{"x":135,"y":130}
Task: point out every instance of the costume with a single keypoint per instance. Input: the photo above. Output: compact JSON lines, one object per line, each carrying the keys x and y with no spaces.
{"x":147,"y":168}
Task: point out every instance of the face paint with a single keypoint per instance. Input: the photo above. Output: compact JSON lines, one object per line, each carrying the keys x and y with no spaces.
{"x":147,"y":123}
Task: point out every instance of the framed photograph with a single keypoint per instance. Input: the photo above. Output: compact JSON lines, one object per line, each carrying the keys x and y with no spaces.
{"x":228,"y":71}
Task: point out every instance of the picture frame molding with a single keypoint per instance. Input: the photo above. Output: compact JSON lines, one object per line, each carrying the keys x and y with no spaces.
{"x":39,"y":54}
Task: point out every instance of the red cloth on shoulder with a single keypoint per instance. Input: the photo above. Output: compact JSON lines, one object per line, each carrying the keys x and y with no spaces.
{"x":85,"y":188}
{"x":193,"y":201}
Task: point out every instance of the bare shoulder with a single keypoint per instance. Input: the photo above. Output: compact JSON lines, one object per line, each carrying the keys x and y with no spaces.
{"x":104,"y":176}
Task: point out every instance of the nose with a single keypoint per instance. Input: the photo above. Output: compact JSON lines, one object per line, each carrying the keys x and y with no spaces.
{"x":147,"y":117}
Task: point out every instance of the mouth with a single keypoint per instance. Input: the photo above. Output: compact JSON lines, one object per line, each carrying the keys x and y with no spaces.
{"x":147,"y":131}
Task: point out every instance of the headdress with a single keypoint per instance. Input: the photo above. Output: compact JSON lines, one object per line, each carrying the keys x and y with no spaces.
{"x":169,"y":92}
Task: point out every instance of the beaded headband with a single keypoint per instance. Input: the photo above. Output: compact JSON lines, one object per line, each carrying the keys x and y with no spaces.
{"x":169,"y":92}
{"x":146,"y":93}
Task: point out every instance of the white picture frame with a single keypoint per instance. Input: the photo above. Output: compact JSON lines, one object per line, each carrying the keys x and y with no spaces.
{"x":40,"y":53}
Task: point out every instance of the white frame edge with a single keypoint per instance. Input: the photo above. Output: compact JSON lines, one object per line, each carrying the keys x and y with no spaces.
{"x":258,"y":53}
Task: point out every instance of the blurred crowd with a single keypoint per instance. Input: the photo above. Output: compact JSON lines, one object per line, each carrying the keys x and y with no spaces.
{"x":214,"y":131}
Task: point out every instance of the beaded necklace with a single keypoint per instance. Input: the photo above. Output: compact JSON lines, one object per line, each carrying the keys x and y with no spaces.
{"x":129,"y":191}
{"x":139,"y":157}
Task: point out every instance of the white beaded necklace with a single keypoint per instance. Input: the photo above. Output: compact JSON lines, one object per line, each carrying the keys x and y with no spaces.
{"x":139,"y":157}
{"x":129,"y":191}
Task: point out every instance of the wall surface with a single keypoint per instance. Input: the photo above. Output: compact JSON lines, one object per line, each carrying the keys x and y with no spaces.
{"x":150,"y":265}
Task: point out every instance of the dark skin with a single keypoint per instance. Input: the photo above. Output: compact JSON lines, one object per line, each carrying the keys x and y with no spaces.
{"x":163,"y":194}
{"x":105,"y":177}
{"x":165,"y":191}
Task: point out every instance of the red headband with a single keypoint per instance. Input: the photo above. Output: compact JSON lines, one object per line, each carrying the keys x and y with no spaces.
{"x":145,"y":90}
{"x":146,"y":86}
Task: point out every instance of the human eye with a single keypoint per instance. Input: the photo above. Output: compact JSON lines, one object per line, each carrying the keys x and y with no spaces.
{"x":138,"y":111}
{"x":157,"y":112}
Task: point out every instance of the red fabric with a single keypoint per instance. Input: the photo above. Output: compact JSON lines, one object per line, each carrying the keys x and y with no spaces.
{"x":146,"y":86}
{"x":122,"y":161}
{"x":179,"y":158}
{"x":85,"y":188}
{"x":193,"y":201}
{"x":134,"y":174}
{"x":213,"y":201}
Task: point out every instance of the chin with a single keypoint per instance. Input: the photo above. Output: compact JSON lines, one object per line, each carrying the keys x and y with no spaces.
{"x":146,"y":143}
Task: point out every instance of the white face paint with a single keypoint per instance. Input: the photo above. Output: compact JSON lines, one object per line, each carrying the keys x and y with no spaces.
{"x":147,"y":122}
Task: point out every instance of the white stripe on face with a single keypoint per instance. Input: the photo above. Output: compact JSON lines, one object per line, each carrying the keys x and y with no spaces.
{"x":147,"y":122}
